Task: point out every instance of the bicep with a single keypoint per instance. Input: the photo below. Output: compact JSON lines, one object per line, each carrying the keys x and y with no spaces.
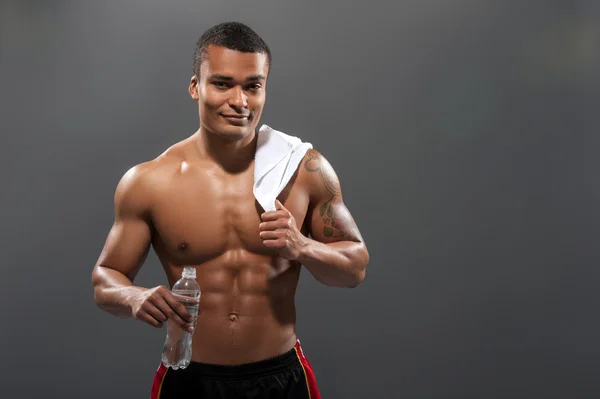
{"x":127,"y":246}
{"x":128,"y":241}
{"x":330,"y":220}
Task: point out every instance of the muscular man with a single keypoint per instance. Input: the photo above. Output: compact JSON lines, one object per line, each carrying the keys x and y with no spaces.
{"x":195,"y":205}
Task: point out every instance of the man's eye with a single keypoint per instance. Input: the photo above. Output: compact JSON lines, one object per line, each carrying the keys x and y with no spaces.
{"x":255,"y":86}
{"x":220,"y":85}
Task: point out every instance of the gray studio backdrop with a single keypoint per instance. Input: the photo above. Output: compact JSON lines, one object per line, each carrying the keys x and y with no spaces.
{"x":465,"y":136}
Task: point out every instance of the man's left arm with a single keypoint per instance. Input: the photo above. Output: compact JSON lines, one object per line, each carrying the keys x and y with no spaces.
{"x":335,"y":253}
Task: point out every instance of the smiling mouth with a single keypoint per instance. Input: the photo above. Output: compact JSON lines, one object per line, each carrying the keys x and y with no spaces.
{"x":235,"y":116}
{"x":236,"y":120}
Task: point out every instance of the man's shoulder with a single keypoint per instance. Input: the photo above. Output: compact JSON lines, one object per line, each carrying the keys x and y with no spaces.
{"x":148,"y":172}
{"x":317,"y":175}
{"x":314,"y":161}
{"x":151,"y":173}
{"x":167,"y":161}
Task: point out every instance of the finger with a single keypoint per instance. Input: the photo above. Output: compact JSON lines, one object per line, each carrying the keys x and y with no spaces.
{"x":177,"y":305}
{"x":270,"y":235}
{"x":273,"y":215}
{"x":146,"y":318}
{"x":279,"y":206}
{"x":274,"y":225}
{"x":152,"y":315}
{"x":174,"y":312}
{"x":188,"y":300}
{"x":278,"y":243}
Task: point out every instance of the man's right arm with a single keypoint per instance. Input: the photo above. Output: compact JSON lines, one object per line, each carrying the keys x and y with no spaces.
{"x":125,"y":251}
{"x":126,"y":246}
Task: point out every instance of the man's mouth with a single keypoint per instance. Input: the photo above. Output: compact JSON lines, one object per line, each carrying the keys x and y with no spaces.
{"x":235,"y":116}
{"x":236,"y":119}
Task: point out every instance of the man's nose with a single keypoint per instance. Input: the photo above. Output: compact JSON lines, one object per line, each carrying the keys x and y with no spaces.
{"x":238,"y":98}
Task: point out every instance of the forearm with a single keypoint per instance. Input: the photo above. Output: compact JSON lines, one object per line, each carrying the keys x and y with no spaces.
{"x":113,"y":291}
{"x":338,"y":264}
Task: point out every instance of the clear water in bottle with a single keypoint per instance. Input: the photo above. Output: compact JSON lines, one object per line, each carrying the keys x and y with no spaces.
{"x":177,"y":349}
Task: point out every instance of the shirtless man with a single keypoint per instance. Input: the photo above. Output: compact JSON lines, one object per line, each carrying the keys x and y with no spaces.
{"x":195,"y":205}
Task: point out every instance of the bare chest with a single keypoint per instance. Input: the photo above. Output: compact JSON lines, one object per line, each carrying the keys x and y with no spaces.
{"x":201,"y":215}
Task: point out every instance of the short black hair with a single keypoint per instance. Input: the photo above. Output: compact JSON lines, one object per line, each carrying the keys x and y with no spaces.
{"x":231,"y":35}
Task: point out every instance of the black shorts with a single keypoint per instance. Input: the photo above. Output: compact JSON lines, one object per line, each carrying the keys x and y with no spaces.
{"x":287,"y":376}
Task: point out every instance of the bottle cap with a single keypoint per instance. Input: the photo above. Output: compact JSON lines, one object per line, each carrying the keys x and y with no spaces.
{"x":189,"y":272}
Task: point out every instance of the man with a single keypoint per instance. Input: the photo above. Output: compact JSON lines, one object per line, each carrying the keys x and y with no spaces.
{"x":195,"y":205}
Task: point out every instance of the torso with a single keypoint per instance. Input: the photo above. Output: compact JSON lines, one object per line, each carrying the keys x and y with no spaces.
{"x":205,"y":217}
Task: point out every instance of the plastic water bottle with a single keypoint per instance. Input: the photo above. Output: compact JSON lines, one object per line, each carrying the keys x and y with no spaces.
{"x":177,"y":349}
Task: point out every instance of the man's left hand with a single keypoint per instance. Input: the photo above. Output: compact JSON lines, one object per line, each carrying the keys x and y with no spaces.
{"x":278,"y":230}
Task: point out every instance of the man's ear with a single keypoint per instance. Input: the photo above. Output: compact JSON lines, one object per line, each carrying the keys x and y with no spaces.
{"x":193,"y":89}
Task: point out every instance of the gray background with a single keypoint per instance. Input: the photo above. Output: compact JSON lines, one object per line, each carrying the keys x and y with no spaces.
{"x":464,"y":133}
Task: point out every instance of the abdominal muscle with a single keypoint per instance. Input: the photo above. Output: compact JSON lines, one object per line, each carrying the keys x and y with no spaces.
{"x":247,"y":310}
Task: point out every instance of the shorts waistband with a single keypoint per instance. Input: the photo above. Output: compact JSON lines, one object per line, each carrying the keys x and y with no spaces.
{"x":269,"y":366}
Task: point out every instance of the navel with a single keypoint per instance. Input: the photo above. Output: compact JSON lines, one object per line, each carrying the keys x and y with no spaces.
{"x":233,"y":316}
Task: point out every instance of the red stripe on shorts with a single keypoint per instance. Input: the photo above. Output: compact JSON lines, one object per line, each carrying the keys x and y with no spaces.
{"x":159,"y":377}
{"x":311,"y":382}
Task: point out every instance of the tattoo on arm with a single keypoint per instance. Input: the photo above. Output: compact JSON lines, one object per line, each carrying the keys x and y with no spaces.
{"x":313,"y":164}
{"x":336,"y":220}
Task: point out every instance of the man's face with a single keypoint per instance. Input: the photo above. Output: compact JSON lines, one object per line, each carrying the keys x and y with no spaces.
{"x":231,"y":91}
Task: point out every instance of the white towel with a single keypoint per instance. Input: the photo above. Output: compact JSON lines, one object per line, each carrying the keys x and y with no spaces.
{"x":277,"y":157}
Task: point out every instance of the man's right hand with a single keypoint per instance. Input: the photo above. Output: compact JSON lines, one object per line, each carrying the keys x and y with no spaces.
{"x":156,"y":305}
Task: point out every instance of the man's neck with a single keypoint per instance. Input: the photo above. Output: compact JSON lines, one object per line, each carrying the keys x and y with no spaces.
{"x":234,"y":156}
